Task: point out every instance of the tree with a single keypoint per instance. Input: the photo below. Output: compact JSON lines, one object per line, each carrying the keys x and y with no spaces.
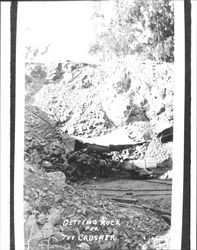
{"x":136,"y":26}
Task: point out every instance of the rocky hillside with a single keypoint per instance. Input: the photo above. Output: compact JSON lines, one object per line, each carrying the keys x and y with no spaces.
{"x":60,"y":217}
{"x":124,"y":102}
{"x":93,"y":99}
{"x":89,"y":100}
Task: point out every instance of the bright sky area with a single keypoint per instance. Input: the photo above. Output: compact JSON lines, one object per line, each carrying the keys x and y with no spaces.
{"x":66,"y":26}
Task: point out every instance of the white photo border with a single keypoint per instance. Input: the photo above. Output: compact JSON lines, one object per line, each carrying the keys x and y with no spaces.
{"x":177,"y":192}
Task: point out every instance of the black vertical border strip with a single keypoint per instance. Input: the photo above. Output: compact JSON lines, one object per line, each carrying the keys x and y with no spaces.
{"x":185,"y":244}
{"x":13,"y":26}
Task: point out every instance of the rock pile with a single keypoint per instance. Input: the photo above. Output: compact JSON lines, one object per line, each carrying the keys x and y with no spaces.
{"x":55,"y":211}
{"x":90,"y":122}
{"x":89,"y":101}
{"x":44,"y":143}
{"x":84,"y":94}
{"x":93,"y":100}
{"x":47,"y":147}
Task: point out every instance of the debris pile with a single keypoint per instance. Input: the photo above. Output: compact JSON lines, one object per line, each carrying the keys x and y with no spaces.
{"x":91,"y":100}
{"x":58,"y":216}
{"x":89,"y":123}
{"x":44,"y":143}
{"x":51,"y":149}
{"x":47,"y":147}
{"x":70,"y":100}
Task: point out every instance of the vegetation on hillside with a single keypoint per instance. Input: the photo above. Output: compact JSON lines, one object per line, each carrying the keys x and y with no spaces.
{"x":136,"y":27}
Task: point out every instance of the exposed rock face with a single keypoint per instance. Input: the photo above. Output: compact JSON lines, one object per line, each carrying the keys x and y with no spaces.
{"x":155,"y":153}
{"x":44,"y":144}
{"x":111,"y":105}
{"x":94,"y":100}
{"x":118,"y":94}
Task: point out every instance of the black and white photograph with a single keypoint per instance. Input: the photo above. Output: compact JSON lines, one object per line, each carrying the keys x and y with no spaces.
{"x":99,"y":88}
{"x":99,"y":125}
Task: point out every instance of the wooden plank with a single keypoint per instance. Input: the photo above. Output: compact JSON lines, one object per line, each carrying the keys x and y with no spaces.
{"x":103,"y":149}
{"x":160,"y":181}
{"x":163,"y":211}
{"x":151,"y":194}
{"x":123,"y":200}
{"x":130,"y":201}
